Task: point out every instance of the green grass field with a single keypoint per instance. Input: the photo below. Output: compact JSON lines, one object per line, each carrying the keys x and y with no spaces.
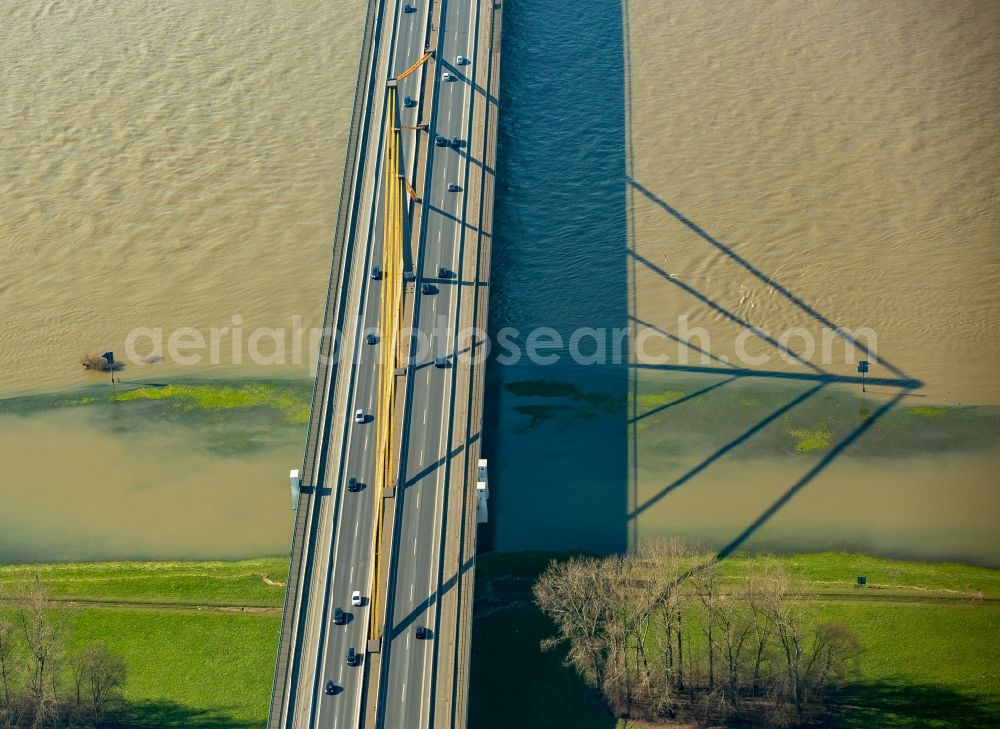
{"x":251,"y":583}
{"x":931,"y":633}
{"x":190,"y":668}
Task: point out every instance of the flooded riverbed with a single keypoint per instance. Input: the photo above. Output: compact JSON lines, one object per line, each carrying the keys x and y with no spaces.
{"x":763,"y":195}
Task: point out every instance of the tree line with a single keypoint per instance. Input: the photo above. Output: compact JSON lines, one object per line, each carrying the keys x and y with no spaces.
{"x":45,"y":681}
{"x":662,"y":634}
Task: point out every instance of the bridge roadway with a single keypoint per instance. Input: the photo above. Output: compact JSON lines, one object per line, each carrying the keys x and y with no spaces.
{"x":332,"y":544}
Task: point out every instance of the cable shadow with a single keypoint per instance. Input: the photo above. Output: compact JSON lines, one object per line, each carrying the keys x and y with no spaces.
{"x":804,"y":481}
{"x":759,"y":275}
{"x":421,"y":607}
{"x":735,"y":318}
{"x":779,"y":375}
{"x":746,"y":435}
{"x":683,"y":342}
{"x":690,"y":396}
{"x":814,"y":374}
{"x":428,"y":470}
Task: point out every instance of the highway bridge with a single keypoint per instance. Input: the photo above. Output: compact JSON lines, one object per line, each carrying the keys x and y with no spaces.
{"x":383,"y":549}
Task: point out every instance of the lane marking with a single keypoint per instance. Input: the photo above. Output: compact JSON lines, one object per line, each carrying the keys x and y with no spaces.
{"x":425,"y":417}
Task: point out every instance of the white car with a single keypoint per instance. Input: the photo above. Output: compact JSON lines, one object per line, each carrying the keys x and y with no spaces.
{"x":356,"y":598}
{"x":461,"y":60}
{"x":359,"y":416}
{"x":447,"y":76}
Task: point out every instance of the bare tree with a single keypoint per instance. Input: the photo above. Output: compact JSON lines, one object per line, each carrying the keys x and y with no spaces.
{"x":630,"y":628}
{"x":736,"y":627}
{"x":100,"y":676}
{"x":44,"y":629}
{"x":8,"y":660}
{"x":574,"y":595}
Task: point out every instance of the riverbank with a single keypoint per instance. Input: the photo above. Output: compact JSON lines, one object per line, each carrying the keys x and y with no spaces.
{"x":929,"y":631}
{"x":199,"y":638}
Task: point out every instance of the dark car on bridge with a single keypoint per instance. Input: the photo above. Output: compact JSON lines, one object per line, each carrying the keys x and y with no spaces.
{"x":376,"y":273}
{"x":352,"y":657}
{"x":370,"y":338}
{"x":421,"y":632}
{"x":426,"y":288}
{"x":338,"y":617}
{"x":456,"y":142}
{"x":329,"y":689}
{"x":353,"y":485}
{"x":441,"y":141}
{"x":441,"y":362}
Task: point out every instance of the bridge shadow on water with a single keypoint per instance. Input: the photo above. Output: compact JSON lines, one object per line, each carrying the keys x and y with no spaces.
{"x":563,"y":439}
{"x":556,"y":435}
{"x":567,"y":441}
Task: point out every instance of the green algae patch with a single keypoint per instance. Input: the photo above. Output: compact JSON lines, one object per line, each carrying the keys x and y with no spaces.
{"x":811,"y":439}
{"x":925,"y":412}
{"x":654,"y":400}
{"x":216,"y":398}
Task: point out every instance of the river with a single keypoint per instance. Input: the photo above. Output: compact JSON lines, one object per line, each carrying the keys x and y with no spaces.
{"x":771,"y":194}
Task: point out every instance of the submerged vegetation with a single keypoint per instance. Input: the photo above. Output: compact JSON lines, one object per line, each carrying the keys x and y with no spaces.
{"x":224,"y":418}
{"x":290,"y":398}
{"x":682,"y":409}
{"x":814,"y":439}
{"x":215,"y":398}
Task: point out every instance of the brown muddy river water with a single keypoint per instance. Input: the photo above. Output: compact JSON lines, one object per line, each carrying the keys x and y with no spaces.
{"x":825,"y":174}
{"x":800,"y":167}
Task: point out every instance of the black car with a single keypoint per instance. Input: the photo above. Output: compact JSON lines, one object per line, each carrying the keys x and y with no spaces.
{"x":370,"y":338}
{"x":443,"y":272}
{"x":353,"y":485}
{"x":440,"y":362}
{"x":453,"y":187}
{"x":338,"y":617}
{"x":329,"y":688}
{"x":441,"y":141}
{"x":376,"y":273}
{"x":425,"y":288}
{"x":409,"y":9}
{"x":408,"y":102}
{"x":456,"y":142}
{"x":421,"y":632}
{"x":352,"y":657}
